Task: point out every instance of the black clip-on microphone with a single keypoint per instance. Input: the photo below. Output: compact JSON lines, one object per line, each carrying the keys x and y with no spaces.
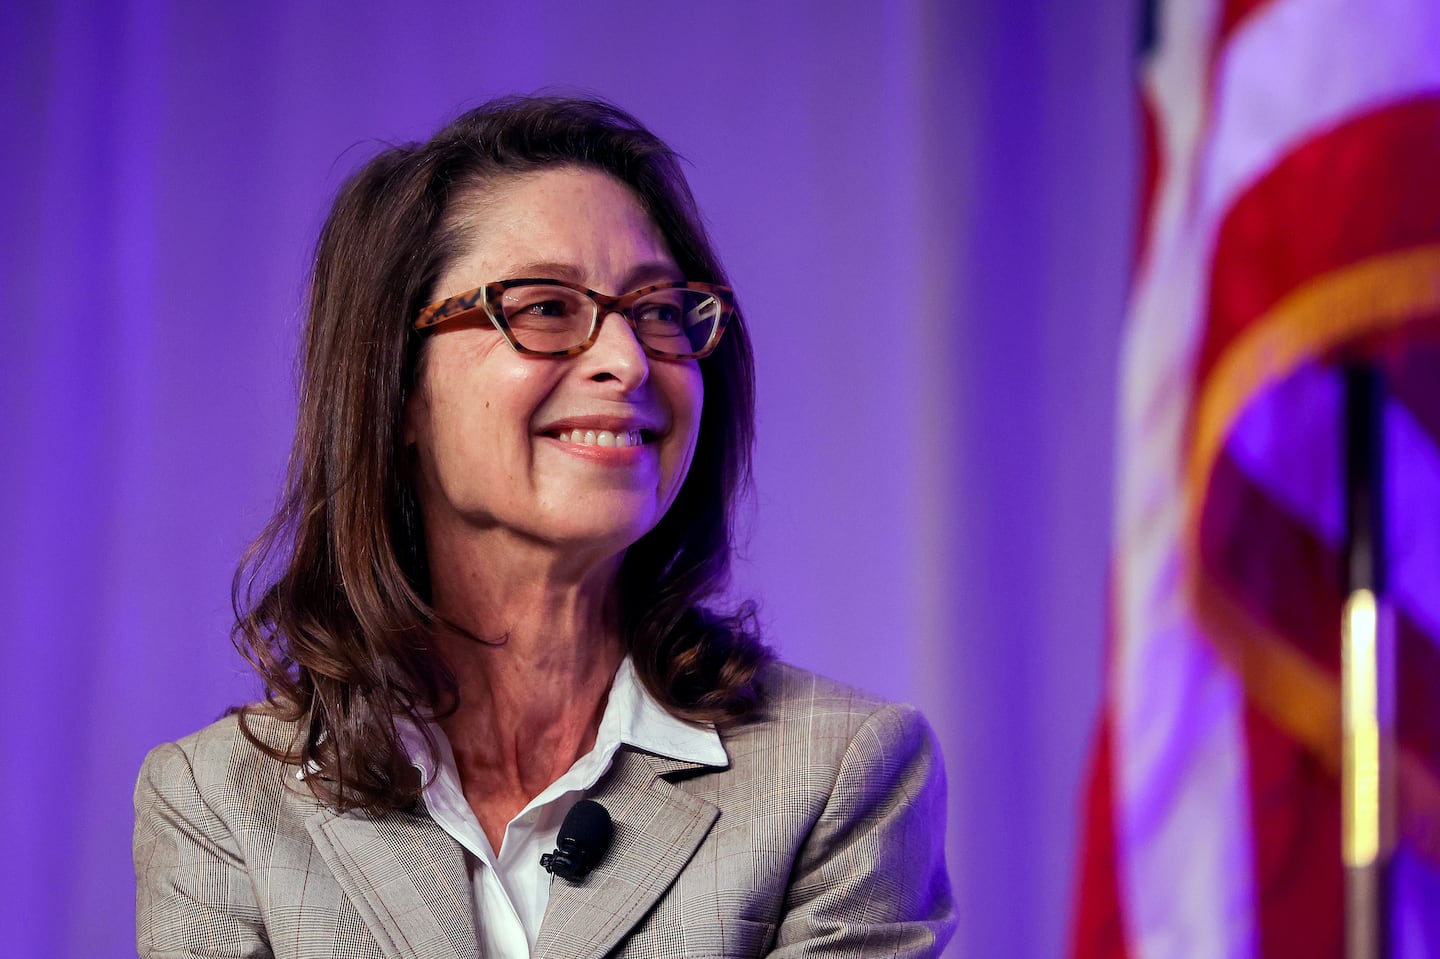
{"x":584,"y":837}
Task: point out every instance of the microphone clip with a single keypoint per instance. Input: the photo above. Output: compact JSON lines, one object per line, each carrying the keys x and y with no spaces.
{"x":568,"y":861}
{"x":583,"y":838}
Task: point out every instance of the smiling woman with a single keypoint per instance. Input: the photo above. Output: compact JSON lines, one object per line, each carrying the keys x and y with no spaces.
{"x":499,"y":471}
{"x":491,"y":592}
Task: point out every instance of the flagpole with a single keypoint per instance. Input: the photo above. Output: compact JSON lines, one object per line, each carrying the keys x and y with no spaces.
{"x":1367,"y":675}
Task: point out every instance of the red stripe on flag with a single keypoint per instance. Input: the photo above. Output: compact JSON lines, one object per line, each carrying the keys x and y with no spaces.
{"x":1303,"y":220}
{"x":1151,"y":171}
{"x":1295,"y":815}
{"x":1099,"y":921}
{"x":1417,"y":687}
{"x":1283,"y":575}
{"x":1233,"y":13}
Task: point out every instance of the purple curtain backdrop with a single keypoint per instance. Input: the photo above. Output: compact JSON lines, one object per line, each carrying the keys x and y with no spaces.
{"x":926,"y":207}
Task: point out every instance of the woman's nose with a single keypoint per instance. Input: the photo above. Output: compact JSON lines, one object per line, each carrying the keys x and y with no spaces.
{"x":617,"y":353}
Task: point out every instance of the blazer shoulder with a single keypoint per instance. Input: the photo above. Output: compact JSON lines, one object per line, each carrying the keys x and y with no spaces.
{"x":788,"y":691}
{"x":222,"y":762}
{"x":224,"y":738}
{"x":828,"y":714}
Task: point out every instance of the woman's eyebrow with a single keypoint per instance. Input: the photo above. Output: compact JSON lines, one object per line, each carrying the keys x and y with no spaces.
{"x":548,"y":270}
{"x":642,"y":274}
{"x":656,"y":271}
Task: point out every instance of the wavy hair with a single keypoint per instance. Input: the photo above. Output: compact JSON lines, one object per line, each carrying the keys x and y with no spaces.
{"x":332,"y":600}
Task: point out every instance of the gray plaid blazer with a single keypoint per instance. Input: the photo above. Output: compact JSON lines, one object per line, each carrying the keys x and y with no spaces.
{"x":823,"y":837}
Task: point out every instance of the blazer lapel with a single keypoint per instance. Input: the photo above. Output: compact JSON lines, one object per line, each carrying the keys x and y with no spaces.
{"x":657,"y":829}
{"x":407,"y":879}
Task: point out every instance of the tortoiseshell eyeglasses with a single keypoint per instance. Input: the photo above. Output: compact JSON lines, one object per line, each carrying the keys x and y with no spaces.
{"x":540,"y":317}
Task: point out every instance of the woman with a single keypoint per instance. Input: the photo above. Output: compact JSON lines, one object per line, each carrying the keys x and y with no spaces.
{"x":526,"y":414}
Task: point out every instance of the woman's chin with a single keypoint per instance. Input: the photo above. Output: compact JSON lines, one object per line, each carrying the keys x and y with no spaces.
{"x":589,"y":527}
{"x":604,"y":538}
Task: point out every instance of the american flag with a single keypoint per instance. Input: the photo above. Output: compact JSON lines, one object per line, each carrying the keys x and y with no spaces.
{"x":1291,"y":222}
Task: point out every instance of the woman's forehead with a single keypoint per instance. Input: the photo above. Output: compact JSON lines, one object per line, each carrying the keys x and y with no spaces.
{"x":569,"y":223}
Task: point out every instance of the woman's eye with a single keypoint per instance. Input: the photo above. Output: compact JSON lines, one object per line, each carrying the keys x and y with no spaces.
{"x":660,"y":314}
{"x":546,"y":308}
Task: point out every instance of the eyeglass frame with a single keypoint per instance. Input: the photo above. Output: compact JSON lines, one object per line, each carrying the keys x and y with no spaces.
{"x":486,"y":299}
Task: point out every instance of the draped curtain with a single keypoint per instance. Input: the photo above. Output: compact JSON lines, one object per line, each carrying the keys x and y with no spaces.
{"x":925,"y":207}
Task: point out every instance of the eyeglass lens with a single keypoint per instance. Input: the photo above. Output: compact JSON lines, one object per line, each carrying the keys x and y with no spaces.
{"x":550,"y":319}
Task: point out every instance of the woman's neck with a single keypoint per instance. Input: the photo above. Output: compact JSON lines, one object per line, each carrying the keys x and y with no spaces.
{"x":533,"y":689}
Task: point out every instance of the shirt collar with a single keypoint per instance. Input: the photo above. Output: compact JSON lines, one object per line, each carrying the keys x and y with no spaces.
{"x":635,"y":718}
{"x":632,"y":717}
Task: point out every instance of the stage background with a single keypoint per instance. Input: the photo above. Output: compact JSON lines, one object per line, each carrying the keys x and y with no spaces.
{"x":943,"y":189}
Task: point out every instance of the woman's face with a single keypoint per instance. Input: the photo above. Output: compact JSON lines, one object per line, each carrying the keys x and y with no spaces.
{"x":510,"y":446}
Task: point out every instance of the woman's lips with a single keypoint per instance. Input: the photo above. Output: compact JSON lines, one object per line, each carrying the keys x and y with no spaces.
{"x":602,"y":438}
{"x":607,"y":447}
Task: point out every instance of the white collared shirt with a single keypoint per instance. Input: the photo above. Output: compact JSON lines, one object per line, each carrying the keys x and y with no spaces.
{"x":510,"y":891}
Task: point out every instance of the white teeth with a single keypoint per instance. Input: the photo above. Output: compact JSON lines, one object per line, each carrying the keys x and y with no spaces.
{"x":601,"y":437}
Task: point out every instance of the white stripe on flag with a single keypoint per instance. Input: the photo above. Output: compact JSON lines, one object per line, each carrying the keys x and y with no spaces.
{"x":1300,"y":66}
{"x":1179,"y":754}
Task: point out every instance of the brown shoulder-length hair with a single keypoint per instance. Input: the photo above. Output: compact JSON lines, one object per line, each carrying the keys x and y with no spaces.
{"x":332,"y":600}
